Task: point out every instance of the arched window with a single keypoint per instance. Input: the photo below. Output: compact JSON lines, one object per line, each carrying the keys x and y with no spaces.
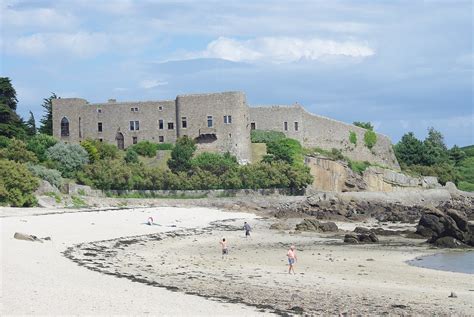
{"x":64,"y":127}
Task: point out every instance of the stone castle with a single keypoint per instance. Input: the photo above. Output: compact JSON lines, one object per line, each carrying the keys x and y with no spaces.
{"x":218,"y":122}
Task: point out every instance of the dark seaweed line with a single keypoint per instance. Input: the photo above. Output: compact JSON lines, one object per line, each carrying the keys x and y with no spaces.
{"x":68,"y":253}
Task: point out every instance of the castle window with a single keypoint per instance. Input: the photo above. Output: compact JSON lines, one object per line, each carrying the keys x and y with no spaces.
{"x":227,"y":119}
{"x":99,"y":126}
{"x":252,"y":126}
{"x":99,"y":110}
{"x":160,"y":108}
{"x":296,"y":126}
{"x":134,"y":125}
{"x":170,"y":125}
{"x":64,"y":127}
{"x":209,"y":121}
{"x":161,"y":139}
{"x":160,"y":124}
{"x":134,"y":140}
{"x":101,"y":140}
{"x":134,"y":109}
{"x":285,"y":125}
{"x":184,"y":122}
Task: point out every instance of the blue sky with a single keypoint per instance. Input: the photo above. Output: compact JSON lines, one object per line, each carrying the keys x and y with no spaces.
{"x":403,"y":65}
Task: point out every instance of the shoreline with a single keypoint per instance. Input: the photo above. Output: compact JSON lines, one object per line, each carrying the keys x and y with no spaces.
{"x":203,"y":285}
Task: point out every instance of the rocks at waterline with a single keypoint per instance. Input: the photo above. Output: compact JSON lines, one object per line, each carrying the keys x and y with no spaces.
{"x":448,"y":229}
{"x":356,"y":238}
{"x":315,"y":225}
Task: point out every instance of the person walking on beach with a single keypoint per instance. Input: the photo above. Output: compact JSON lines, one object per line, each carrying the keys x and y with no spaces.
{"x":225,"y":250}
{"x":291,"y":259}
{"x":247,"y":229}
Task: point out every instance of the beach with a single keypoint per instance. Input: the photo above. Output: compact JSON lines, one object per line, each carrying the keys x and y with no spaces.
{"x":111,"y":262}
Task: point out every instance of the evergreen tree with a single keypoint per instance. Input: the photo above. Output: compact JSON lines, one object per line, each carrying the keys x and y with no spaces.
{"x":409,"y":150}
{"x":31,"y":124}
{"x":181,"y":155}
{"x":47,"y":120}
{"x":11,"y":125}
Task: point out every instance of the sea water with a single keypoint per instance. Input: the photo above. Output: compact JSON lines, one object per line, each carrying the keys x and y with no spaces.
{"x":462,"y":262}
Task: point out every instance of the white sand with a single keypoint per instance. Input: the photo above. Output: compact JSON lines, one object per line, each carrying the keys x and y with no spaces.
{"x":37,"y":279}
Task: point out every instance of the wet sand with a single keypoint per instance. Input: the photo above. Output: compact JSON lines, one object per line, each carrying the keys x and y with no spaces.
{"x":332,"y":278}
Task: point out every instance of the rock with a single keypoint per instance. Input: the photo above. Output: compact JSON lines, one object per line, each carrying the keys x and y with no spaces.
{"x":351,"y":238}
{"x":279,"y":226}
{"x":448,"y":242}
{"x":459,"y":217}
{"x":362,"y":230}
{"x":26,"y":237}
{"x":315,"y":225}
{"x":373,"y":237}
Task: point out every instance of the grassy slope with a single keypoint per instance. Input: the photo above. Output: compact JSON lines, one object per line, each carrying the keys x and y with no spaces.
{"x":466,"y":168}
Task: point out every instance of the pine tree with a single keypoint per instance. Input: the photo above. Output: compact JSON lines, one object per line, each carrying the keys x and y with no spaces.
{"x":31,"y":124}
{"x":11,"y":124}
{"x":47,"y":120}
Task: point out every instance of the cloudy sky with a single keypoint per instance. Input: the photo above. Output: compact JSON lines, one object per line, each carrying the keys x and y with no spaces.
{"x":403,"y":65}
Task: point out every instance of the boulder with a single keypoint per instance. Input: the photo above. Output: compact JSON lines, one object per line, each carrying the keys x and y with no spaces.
{"x":448,"y":242}
{"x":351,"y":238}
{"x":316,"y":226}
{"x":328,"y":227}
{"x":355,"y":238}
{"x":279,"y":226}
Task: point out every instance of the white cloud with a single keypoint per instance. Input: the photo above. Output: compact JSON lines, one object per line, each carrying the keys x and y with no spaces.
{"x":38,"y":18}
{"x":282,"y":49}
{"x":152,"y":83}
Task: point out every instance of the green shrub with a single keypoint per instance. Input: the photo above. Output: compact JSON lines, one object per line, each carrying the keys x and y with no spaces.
{"x":4,"y":141}
{"x":52,"y":176}
{"x":215,"y":163}
{"x":370,"y":138}
{"x":287,"y":150}
{"x":364,"y":125}
{"x":181,"y":155}
{"x":164,"y":146}
{"x":91,"y":149}
{"x":17,"y":184}
{"x":131,"y":156}
{"x":69,"y":158}
{"x":358,"y":166}
{"x":145,"y":148}
{"x":466,"y":186}
{"x":39,"y":144}
{"x":353,"y":137}
{"x":445,"y":172}
{"x":334,"y":154}
{"x":261,"y":136}
{"x":17,"y":151}
{"x":78,"y":202}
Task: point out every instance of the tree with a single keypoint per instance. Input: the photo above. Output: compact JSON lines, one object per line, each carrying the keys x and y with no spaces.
{"x":69,"y":158}
{"x":31,"y":124}
{"x":364,"y":125}
{"x":436,"y":138}
{"x":11,"y":125}
{"x":287,"y":150}
{"x":39,"y":144}
{"x":456,"y":154}
{"x":409,"y":150}
{"x":47,"y":120}
{"x":435,"y":150}
{"x":18,"y":152}
{"x":181,"y":155}
{"x":17,"y":184}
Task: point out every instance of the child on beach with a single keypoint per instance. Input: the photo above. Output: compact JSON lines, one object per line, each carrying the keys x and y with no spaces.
{"x":291,"y":254}
{"x":225,"y":251}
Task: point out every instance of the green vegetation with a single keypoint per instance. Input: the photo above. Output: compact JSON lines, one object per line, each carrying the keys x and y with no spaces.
{"x":353,"y":137}
{"x":261,"y":136}
{"x":91,"y":150}
{"x":131,"y":156}
{"x":164,"y":146}
{"x":17,"y":184}
{"x":39,"y":143}
{"x":78,"y":202}
{"x":67,"y":158}
{"x":11,"y":125}
{"x":334,"y":154}
{"x":286,"y":150}
{"x":18,"y":152}
{"x":358,"y":166}
{"x":181,"y":155}
{"x":56,"y":196}
{"x":47,"y":120}
{"x":154,"y":195}
{"x":364,"y":125}
{"x":431,"y":157}
{"x":370,"y":138}
{"x":52,"y":176}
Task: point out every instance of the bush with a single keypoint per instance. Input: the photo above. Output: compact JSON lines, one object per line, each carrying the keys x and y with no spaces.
{"x":353,"y":137}
{"x":370,"y":138}
{"x":445,"y":172}
{"x":50,"y":175}
{"x":17,"y":184}
{"x":164,"y":146}
{"x":131,"y":156}
{"x":466,"y":186}
{"x":181,"y":155}
{"x":145,"y":148}
{"x":17,"y":151}
{"x":358,"y":167}
{"x":364,"y":125}
{"x":91,"y":149}
{"x":4,"y":141}
{"x":287,"y":150}
{"x":261,"y":136}
{"x":69,"y":158}
{"x":39,"y":144}
{"x":215,"y":163}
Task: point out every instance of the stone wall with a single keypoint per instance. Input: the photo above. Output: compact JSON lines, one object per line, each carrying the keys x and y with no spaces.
{"x":318,"y":131}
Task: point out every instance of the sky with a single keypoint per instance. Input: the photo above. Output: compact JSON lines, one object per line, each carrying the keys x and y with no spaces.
{"x":402,"y":65}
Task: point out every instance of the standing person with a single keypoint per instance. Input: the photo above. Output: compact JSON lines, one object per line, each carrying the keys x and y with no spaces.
{"x":291,"y":259}
{"x":247,"y":229}
{"x":225,"y":251}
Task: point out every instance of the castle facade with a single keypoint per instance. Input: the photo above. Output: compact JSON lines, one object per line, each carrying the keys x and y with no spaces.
{"x":219,"y":122}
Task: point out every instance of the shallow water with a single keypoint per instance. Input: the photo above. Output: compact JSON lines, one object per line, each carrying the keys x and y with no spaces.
{"x":462,"y":262}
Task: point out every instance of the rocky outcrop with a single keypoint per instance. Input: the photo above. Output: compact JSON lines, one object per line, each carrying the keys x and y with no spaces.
{"x":447,"y":228}
{"x":315,"y":225}
{"x":356,"y":238}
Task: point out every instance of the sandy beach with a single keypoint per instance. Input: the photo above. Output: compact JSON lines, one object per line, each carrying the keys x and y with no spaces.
{"x":37,"y":279}
{"x":110,"y":262}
